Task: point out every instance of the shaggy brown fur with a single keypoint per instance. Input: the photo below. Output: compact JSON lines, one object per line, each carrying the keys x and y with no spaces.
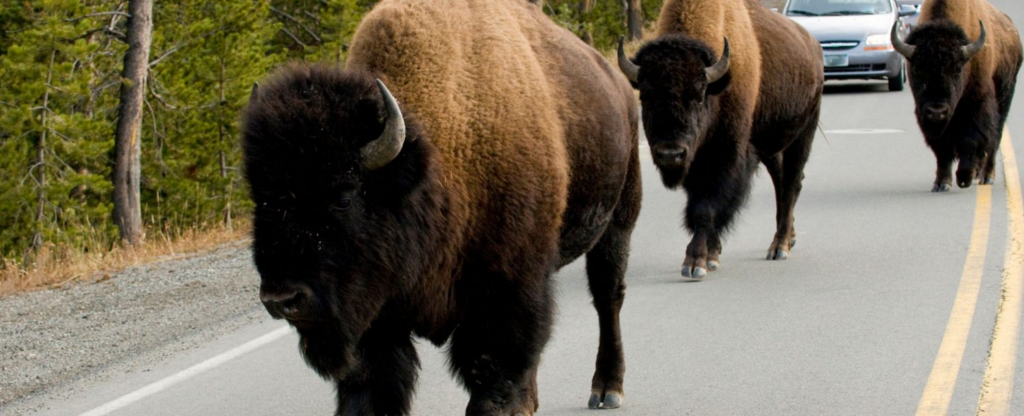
{"x":964,"y":108}
{"x":708,"y":138}
{"x":521,"y":155}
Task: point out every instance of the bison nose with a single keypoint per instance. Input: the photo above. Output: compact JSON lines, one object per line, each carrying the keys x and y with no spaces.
{"x":286,"y":304}
{"x":936,"y":112}
{"x":670,"y":156}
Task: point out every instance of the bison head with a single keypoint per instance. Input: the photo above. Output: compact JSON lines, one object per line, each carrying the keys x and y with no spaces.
{"x":679,"y":81}
{"x":333,"y":172}
{"x":938,"y":53}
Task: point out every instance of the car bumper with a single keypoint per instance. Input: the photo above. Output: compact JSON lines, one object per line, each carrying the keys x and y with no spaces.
{"x":866,"y":65}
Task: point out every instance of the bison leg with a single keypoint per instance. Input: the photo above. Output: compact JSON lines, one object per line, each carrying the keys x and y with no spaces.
{"x":606,"y":272}
{"x":496,"y":349}
{"x":987,"y":175}
{"x":383,"y":381}
{"x":793,"y":161}
{"x":712,"y":204}
{"x":708,"y":218}
{"x":714,"y":251}
{"x":774,"y":165}
{"x":944,"y":156}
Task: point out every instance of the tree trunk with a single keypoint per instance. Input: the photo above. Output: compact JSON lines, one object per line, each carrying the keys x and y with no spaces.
{"x":220,"y":143}
{"x":127,"y":167}
{"x":585,"y":7}
{"x":37,"y":238}
{"x":635,"y":18}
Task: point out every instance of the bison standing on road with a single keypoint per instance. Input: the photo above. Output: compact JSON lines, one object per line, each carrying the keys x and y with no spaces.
{"x":709,"y":120}
{"x":513,"y":152}
{"x":962,"y":88}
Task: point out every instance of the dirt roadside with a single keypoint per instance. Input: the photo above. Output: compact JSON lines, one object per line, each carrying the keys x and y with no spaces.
{"x":53,"y":337}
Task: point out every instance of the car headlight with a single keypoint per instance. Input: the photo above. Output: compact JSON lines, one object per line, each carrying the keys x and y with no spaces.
{"x":878,"y":40}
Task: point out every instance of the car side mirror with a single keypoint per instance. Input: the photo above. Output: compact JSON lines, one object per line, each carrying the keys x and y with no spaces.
{"x":908,"y":10}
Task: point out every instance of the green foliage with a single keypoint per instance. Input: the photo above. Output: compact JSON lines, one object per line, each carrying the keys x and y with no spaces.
{"x":206,"y":54}
{"x":53,"y":145}
{"x":318,"y":30}
{"x":214,"y":52}
{"x":606,"y":21}
{"x":57,"y":137}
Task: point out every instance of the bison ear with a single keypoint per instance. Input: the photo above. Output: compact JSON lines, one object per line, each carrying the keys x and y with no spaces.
{"x":255,"y":95}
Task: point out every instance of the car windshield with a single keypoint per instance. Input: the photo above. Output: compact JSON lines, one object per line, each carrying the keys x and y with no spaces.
{"x":838,"y":7}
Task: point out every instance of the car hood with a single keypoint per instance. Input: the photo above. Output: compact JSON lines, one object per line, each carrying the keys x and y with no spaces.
{"x":830,"y":28}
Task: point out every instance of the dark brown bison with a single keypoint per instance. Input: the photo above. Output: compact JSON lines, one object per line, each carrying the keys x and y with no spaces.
{"x":512,"y":152}
{"x":962,"y":87}
{"x":725,"y":84}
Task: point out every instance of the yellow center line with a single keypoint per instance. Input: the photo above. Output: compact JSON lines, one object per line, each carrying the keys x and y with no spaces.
{"x":939,"y":389}
{"x":997,"y":388}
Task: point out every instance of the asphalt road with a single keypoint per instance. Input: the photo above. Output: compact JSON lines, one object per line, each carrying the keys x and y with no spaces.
{"x":856,"y":322}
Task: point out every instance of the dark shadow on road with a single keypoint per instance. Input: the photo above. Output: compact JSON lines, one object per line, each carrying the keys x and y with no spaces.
{"x":856,"y":87}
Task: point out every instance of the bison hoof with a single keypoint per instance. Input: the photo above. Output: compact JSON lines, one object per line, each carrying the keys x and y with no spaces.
{"x":987,"y":181}
{"x":941,"y":187}
{"x":712,"y":265}
{"x":777,"y":255}
{"x":696,"y":272}
{"x":611,"y":401}
{"x":964,"y":185}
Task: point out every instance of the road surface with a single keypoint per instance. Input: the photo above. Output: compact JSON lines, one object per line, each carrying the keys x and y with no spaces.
{"x":887,"y":306}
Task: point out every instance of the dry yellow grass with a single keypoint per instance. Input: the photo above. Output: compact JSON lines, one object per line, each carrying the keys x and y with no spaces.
{"x":54,"y":267}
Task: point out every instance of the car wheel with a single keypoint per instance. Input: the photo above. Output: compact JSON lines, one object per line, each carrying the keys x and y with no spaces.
{"x":896,"y":83}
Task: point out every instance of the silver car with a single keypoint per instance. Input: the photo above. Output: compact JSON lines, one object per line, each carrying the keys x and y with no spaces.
{"x":854,"y":35}
{"x":910,"y":21}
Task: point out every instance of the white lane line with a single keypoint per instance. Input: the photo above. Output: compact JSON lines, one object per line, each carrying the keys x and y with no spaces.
{"x":187,"y":373}
{"x":865,"y":131}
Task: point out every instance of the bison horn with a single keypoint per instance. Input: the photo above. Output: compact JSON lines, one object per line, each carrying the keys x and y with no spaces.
{"x":718,"y":70}
{"x":380,"y":152}
{"x":631,"y":70}
{"x":897,"y":42}
{"x":974,"y":48}
{"x":255,"y":95}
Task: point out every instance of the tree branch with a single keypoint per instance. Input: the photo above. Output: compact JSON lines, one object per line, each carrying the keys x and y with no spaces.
{"x":177,"y":47}
{"x":158,"y":97}
{"x":297,"y":22}
{"x":100,"y":14}
{"x":294,"y":38}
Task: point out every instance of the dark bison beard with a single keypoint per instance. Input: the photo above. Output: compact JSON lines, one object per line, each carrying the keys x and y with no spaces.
{"x":672,"y":177}
{"x":328,"y":350}
{"x":931,"y":129}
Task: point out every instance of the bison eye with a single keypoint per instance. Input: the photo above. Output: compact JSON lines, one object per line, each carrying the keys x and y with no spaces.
{"x":342,"y":206}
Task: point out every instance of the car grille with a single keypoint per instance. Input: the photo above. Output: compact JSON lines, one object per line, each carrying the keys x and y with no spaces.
{"x":839,"y":45}
{"x":855,"y":68}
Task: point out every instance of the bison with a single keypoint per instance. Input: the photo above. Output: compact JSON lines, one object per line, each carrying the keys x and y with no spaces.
{"x":962,"y":87}
{"x":504,"y":149}
{"x":725,"y":84}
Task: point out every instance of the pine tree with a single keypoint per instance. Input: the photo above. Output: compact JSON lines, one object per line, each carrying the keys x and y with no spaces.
{"x":318,"y":30}
{"x":206,"y":62}
{"x":51,"y":148}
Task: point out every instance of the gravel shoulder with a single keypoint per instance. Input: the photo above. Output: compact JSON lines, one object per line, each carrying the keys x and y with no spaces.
{"x":140,"y":315}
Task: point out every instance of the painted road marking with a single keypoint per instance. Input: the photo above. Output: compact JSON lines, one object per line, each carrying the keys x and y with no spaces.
{"x":865,"y":131}
{"x":997,"y":388}
{"x":939,"y":389}
{"x":187,"y":373}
